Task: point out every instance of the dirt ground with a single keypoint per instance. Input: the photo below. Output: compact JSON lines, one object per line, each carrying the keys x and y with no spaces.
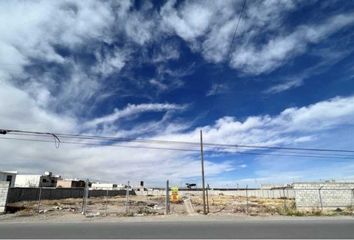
{"x":155,"y":205}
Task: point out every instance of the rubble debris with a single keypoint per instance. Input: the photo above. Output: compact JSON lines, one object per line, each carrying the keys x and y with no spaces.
{"x":188,"y":206}
{"x":91,"y":215}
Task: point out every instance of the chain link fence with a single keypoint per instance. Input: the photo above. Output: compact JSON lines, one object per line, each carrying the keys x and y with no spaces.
{"x":126,"y":202}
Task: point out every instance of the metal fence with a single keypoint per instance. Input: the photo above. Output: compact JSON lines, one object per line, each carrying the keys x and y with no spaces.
{"x":110,"y":202}
{"x":47,"y":199}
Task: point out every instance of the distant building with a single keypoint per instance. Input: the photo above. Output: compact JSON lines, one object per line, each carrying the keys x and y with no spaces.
{"x":31,"y":180}
{"x":140,"y":188}
{"x":8,"y":176}
{"x":107,"y":186}
{"x":70,"y":183}
{"x":275,"y":186}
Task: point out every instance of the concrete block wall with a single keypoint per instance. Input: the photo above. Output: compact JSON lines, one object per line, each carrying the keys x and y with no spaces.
{"x":330,"y":195}
{"x":4,"y":187}
{"x":260,"y":193}
{"x":32,"y":194}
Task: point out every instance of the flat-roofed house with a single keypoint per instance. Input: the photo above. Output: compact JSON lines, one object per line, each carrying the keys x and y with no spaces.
{"x":70,"y":183}
{"x":104,"y":186}
{"x":36,"y":180}
{"x":8,"y":176}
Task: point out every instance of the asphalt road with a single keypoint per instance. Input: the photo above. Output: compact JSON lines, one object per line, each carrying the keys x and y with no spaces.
{"x":194,"y":229}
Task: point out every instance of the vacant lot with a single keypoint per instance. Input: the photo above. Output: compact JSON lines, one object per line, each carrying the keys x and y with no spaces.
{"x":155,"y":205}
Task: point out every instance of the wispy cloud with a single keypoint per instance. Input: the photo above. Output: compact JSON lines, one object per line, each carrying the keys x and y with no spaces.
{"x":133,"y":109}
{"x":292,"y":125}
{"x":61,"y":59}
{"x":328,"y":59}
{"x":255,"y":59}
{"x":217,"y":89}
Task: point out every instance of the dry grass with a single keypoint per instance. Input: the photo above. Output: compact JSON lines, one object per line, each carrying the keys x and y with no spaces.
{"x":154,"y":205}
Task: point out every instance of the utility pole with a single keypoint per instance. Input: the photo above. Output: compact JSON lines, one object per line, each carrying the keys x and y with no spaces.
{"x":127,"y":198}
{"x":203,"y":179}
{"x":207,"y":197}
{"x":85,"y":198}
{"x":167,"y":200}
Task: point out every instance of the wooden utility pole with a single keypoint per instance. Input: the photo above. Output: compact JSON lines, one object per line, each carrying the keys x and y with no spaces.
{"x":203,"y":179}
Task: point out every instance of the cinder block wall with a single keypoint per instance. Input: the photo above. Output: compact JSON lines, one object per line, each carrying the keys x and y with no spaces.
{"x":260,"y":193}
{"x":323,"y":195}
{"x":4,"y":188}
{"x":32,"y":194}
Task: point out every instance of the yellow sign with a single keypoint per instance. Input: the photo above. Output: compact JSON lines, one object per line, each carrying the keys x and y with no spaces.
{"x":174,"y":194}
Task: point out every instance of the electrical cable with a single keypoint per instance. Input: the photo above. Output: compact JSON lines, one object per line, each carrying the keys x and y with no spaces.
{"x":184,"y":149}
{"x":238,"y":23}
{"x":118,"y":139}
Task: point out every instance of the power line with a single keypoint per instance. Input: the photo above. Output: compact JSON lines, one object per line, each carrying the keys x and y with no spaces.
{"x":119,"y":139}
{"x":207,"y":144}
{"x":196,"y":143}
{"x":238,"y":23}
{"x":56,"y":138}
{"x":97,"y":144}
{"x":185,"y":149}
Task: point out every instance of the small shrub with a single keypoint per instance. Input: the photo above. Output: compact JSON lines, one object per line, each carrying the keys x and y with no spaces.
{"x":316,"y":212}
{"x":129,"y":214}
{"x":293,"y":212}
{"x":338,"y":210}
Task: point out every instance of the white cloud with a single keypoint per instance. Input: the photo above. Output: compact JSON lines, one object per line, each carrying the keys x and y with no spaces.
{"x":132,"y":109}
{"x":71,"y":23}
{"x":140,"y":28}
{"x":167,"y":51}
{"x":209,"y":25}
{"x":45,"y":37}
{"x":216,"y":89}
{"x":190,"y":21}
{"x":293,"y":125}
{"x":59,"y":97}
{"x":285,"y":85}
{"x":21,"y":111}
{"x":161,"y":86}
{"x":208,"y":28}
{"x":32,"y":32}
{"x":111,"y":61}
{"x":328,"y":58}
{"x":255,"y":59}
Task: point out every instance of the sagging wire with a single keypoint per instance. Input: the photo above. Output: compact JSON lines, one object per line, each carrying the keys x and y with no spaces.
{"x":311,"y":152}
{"x":56,"y":140}
{"x":187,"y":150}
{"x":55,"y":137}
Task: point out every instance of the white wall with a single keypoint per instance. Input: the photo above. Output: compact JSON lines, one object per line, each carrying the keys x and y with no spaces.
{"x":28,"y":180}
{"x":4,"y":175}
{"x":104,"y":186}
{"x":324,"y":195}
{"x":261,"y":193}
{"x":4,"y":187}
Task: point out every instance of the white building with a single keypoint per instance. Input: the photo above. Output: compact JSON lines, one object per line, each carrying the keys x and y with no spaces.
{"x":32,"y":180}
{"x":107,"y":186}
{"x":8,"y":176}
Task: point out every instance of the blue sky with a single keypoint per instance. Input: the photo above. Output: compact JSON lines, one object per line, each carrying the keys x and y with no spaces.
{"x":165,"y":70}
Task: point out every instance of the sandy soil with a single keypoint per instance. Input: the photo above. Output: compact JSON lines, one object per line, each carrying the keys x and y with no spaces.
{"x":154,"y":206}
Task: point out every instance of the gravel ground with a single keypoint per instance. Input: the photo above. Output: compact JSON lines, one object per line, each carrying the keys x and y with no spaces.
{"x":153,"y":206}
